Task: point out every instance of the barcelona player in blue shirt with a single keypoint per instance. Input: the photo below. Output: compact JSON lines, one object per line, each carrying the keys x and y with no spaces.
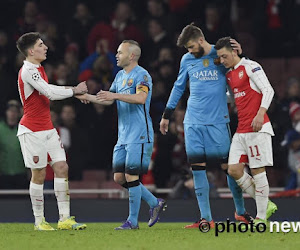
{"x":132,"y":89}
{"x":206,"y":130}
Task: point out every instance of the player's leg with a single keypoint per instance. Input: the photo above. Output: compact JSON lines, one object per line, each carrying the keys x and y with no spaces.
{"x":119,"y":177}
{"x":260,"y":155}
{"x":135,"y":195}
{"x":157,"y":205}
{"x":237,"y":193}
{"x":61,"y":189}
{"x":35,"y":158}
{"x":57,"y":160}
{"x":238,"y":157}
{"x":221,"y":137}
{"x":36,"y":191}
{"x":119,"y":162}
{"x":261,"y":192}
{"x":137,"y":156}
{"x":194,"y":143}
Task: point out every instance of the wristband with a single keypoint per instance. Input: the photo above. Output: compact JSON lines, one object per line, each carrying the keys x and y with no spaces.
{"x":168,"y":113}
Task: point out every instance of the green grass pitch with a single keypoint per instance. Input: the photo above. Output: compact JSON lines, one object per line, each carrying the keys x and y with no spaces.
{"x":161,"y":236}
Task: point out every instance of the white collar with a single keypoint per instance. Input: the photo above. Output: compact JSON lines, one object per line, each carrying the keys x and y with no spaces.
{"x":240,"y":62}
{"x":29,"y":64}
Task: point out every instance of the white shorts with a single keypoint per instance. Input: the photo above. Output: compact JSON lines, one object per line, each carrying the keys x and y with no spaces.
{"x":254,"y":149}
{"x":39,"y":148}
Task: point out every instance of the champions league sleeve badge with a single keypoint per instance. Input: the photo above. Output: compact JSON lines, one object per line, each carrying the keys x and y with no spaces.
{"x":145,"y":78}
{"x":36,"y":76}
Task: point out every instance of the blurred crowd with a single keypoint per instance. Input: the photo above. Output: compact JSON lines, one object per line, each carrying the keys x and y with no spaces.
{"x":83,"y":36}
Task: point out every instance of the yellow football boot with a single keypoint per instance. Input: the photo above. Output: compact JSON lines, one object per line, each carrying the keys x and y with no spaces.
{"x":43,"y":226}
{"x":70,"y":224}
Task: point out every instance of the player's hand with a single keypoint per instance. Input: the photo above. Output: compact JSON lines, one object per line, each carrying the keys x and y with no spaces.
{"x":82,"y":98}
{"x":236,"y":46}
{"x":80,"y":89}
{"x":257,"y":122}
{"x":105,"y":96}
{"x":164,"y":126}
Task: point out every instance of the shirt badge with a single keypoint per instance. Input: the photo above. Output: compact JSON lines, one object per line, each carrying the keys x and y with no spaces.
{"x":256,"y":69}
{"x":36,"y":76}
{"x":241,"y":74}
{"x":36,"y":159}
{"x":130,"y":82}
{"x":145,"y":78}
{"x":205,"y":62}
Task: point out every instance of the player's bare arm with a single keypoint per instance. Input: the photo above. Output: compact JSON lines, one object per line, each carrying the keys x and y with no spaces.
{"x":138,"y":98}
{"x":87,"y":98}
{"x":258,"y":120}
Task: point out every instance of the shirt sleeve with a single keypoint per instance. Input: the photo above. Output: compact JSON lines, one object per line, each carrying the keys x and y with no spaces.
{"x":113,"y":87}
{"x":179,"y":86}
{"x":259,"y":78}
{"x":144,"y":83}
{"x":52,"y":92}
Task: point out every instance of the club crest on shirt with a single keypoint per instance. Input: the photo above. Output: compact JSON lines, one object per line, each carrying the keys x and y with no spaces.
{"x":241,"y":74}
{"x":205,"y":62}
{"x":123,"y":83}
{"x":35,"y":76}
{"x":36,"y":159}
{"x":130,"y":82}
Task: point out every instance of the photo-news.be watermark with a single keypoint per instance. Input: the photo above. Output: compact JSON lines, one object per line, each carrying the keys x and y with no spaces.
{"x":261,"y":227}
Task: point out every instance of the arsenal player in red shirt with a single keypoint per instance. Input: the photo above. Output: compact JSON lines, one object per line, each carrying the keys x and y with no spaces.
{"x":252,"y":142}
{"x":39,"y":140}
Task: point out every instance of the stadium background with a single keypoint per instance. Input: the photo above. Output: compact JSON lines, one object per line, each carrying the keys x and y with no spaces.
{"x":82,"y":37}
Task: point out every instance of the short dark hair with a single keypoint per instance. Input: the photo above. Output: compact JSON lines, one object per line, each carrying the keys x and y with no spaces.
{"x":131,"y":42}
{"x":134,"y":48}
{"x":189,"y":32}
{"x":27,"y":41}
{"x":224,"y":42}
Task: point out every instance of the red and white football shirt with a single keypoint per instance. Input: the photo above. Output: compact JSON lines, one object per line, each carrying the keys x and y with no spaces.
{"x":35,"y":93}
{"x":252,"y":90}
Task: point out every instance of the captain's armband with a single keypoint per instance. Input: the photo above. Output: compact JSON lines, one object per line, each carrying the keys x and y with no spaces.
{"x":142,"y":87}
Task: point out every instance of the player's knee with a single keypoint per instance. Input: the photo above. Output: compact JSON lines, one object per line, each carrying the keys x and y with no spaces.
{"x":38,"y":176}
{"x":61,"y":169}
{"x":224,"y":166}
{"x":232,"y":172}
{"x":119,"y":179}
{"x":255,"y":171}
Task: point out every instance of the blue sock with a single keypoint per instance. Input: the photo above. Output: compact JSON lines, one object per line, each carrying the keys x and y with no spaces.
{"x":148,"y":196}
{"x":135,"y":194}
{"x":202,"y":193}
{"x":237,"y":194}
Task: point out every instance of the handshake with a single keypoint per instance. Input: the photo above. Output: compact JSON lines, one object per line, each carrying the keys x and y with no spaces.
{"x":80,"y":89}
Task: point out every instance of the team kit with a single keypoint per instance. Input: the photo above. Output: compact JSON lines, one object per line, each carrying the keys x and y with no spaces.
{"x":212,"y":71}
